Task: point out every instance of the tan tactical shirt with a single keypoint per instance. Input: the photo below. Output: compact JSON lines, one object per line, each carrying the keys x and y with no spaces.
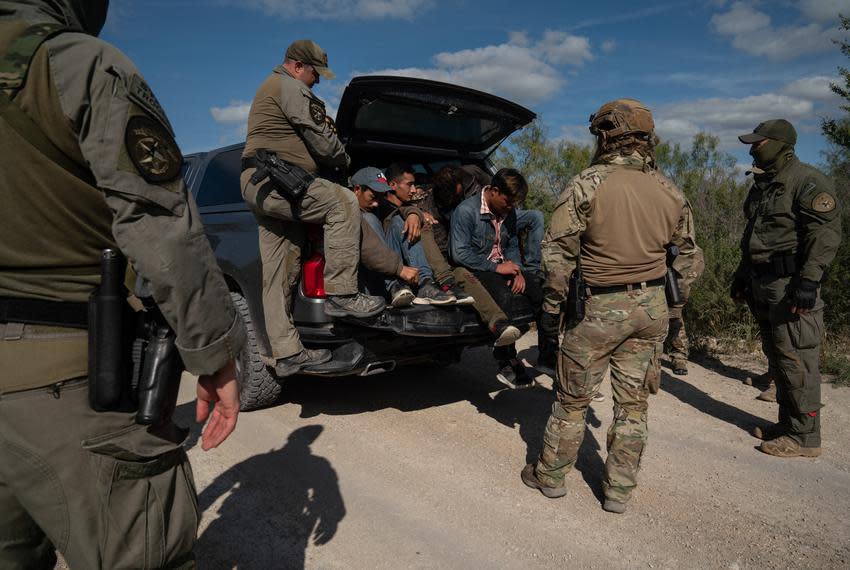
{"x":619,"y":218}
{"x":93,"y":104}
{"x":287,"y":118}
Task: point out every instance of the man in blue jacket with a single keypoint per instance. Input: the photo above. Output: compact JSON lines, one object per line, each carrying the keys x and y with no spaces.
{"x":484,"y":239}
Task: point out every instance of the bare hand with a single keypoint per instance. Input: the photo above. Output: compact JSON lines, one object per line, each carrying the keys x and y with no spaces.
{"x":798,"y":311}
{"x":218,"y":393}
{"x":409,"y":274}
{"x":430,"y":220}
{"x":518,"y":284}
{"x":507,"y":268}
{"x":412,"y":228}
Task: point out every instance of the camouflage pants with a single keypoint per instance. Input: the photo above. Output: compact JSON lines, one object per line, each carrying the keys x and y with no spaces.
{"x":281,"y":238}
{"x":792,"y":343}
{"x":623,"y":331}
{"x":676,"y":344}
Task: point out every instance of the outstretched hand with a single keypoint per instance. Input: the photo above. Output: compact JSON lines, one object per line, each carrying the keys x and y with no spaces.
{"x":218,"y":401}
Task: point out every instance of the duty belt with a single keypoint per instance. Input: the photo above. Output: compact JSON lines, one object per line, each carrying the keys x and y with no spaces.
{"x":779,"y":265}
{"x":594,"y":290}
{"x":48,"y":313}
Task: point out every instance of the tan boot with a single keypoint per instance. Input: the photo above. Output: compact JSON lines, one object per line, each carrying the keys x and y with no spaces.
{"x":785,"y":446}
{"x":769,"y":394}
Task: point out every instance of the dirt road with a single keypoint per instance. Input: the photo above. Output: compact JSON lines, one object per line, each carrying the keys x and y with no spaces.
{"x":420,"y":469}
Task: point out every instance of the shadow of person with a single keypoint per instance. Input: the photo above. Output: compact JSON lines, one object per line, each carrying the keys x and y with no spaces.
{"x":717,"y":366}
{"x":698,"y":399}
{"x":589,"y":461}
{"x":273,"y":504}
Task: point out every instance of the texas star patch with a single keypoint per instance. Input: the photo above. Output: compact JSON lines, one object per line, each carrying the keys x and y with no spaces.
{"x":823,"y":203}
{"x":317,"y":112}
{"x":152,"y":149}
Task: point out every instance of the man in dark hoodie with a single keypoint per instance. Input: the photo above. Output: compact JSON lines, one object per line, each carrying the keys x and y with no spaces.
{"x":88,"y":162}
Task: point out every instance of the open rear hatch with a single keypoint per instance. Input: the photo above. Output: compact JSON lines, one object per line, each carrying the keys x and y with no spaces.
{"x":427,"y":114}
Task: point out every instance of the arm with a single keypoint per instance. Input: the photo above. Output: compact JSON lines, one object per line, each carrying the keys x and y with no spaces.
{"x":820,"y":223}
{"x":463,"y":252}
{"x":307,"y":114}
{"x":562,"y":244}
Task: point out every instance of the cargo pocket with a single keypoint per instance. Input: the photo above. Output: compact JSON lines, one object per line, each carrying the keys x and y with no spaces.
{"x":574,"y":377}
{"x":652,"y":381}
{"x":149,"y":511}
{"x":806,"y":331}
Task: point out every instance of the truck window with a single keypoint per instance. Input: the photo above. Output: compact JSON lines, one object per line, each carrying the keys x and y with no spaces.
{"x":221,"y":180}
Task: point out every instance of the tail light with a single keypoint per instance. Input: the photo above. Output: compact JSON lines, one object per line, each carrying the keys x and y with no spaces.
{"x":313,"y":276}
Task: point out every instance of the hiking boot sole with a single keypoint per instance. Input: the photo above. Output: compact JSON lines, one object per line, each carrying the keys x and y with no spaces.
{"x":510,"y":335}
{"x":282,"y":370}
{"x":337,"y":312}
{"x":528,"y":477}
{"x":514,"y":385}
{"x":466,"y":301}
{"x":403,"y":299}
{"x":426,"y":301}
{"x":613,"y":506}
{"x":799,"y":452}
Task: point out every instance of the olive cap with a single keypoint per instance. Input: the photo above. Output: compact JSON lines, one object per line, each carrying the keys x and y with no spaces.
{"x":622,"y":117}
{"x":371,"y":177}
{"x":776,"y":129}
{"x":309,"y":52}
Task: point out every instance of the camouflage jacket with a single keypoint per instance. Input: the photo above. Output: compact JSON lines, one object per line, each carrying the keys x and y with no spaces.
{"x":794,"y":211}
{"x":574,"y":214}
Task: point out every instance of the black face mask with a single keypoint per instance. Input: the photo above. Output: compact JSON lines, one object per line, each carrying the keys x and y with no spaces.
{"x":769,"y":155}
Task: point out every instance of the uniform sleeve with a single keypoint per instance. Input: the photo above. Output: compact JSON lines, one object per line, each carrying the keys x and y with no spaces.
{"x":688,"y":267}
{"x":821,"y":227}
{"x":307,"y":113}
{"x":562,"y":242}
{"x":129,"y":146}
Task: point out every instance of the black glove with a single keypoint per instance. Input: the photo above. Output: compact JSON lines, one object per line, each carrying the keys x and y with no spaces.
{"x":740,"y":289}
{"x":806,"y":294}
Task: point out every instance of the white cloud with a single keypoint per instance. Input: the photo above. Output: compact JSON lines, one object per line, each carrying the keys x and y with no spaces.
{"x":751,"y":31}
{"x":824,"y":10}
{"x":815,"y":88}
{"x":727,"y":117}
{"x":235,"y":112}
{"x":342,"y":9}
{"x":494,"y":68}
{"x":609,"y":45}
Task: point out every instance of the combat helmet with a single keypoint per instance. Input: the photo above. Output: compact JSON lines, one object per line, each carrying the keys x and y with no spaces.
{"x":622,"y":117}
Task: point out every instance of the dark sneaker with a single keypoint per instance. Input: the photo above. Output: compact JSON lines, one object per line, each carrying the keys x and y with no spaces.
{"x":769,"y":395}
{"x":786,"y":446}
{"x":613,"y":506}
{"x":298,"y":362}
{"x":512,"y":373}
{"x":505,"y":333}
{"x":430,"y":294}
{"x":680,"y":367}
{"x":400,"y":294}
{"x":461,"y":296}
{"x":359,"y":305}
{"x":768,"y":432}
{"x":530,"y":479}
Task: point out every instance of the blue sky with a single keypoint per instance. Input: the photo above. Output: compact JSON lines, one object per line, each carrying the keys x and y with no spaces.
{"x":702,"y":65}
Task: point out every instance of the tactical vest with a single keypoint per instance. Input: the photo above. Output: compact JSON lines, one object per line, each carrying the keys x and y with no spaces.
{"x":56,"y":221}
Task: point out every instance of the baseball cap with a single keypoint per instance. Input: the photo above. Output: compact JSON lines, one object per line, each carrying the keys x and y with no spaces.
{"x":371,"y":177}
{"x":309,"y":52}
{"x":776,"y":129}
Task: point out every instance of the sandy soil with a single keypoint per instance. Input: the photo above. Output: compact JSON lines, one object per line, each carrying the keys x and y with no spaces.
{"x":420,"y":469}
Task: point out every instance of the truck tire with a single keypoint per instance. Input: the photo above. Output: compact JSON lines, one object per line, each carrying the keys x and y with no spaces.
{"x":258,"y":387}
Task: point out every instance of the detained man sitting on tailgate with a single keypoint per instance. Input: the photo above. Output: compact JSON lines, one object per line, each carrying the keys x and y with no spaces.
{"x":383,"y":270}
{"x":402,"y":223}
{"x":484,"y":239}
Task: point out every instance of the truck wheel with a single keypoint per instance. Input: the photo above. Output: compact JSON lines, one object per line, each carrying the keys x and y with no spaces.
{"x":258,"y":386}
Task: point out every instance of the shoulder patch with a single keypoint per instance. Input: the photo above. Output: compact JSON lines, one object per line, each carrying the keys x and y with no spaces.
{"x":152,"y":150}
{"x":317,"y":112}
{"x":823,"y":202}
{"x":143,"y":96}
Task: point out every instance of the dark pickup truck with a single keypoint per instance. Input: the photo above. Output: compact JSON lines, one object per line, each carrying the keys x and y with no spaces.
{"x":381,"y":120}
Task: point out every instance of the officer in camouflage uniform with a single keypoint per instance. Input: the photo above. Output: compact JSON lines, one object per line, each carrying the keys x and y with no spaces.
{"x":792,"y":235}
{"x":287,"y":119}
{"x":616,"y":217}
{"x":88,"y":161}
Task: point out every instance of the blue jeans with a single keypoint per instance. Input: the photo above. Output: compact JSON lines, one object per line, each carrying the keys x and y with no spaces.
{"x":370,"y":281}
{"x":530,"y":222}
{"x":412,"y":255}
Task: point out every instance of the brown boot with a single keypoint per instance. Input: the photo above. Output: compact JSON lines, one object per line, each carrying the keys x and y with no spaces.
{"x":769,"y":394}
{"x":530,"y":479}
{"x":785,"y":446}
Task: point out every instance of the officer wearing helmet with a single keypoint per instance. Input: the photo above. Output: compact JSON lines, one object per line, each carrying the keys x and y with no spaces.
{"x":793,"y":232}
{"x":88,"y":162}
{"x":612,"y":223}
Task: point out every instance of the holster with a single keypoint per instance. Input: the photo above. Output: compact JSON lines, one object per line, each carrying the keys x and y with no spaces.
{"x":289,"y":180}
{"x":576,"y":295}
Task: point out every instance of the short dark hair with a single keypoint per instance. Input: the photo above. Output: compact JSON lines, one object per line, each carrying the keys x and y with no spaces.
{"x":510,"y":183}
{"x":445,"y":183}
{"x":396,"y":170}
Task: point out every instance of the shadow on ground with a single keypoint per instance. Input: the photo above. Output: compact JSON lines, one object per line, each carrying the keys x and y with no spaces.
{"x":275,"y":505}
